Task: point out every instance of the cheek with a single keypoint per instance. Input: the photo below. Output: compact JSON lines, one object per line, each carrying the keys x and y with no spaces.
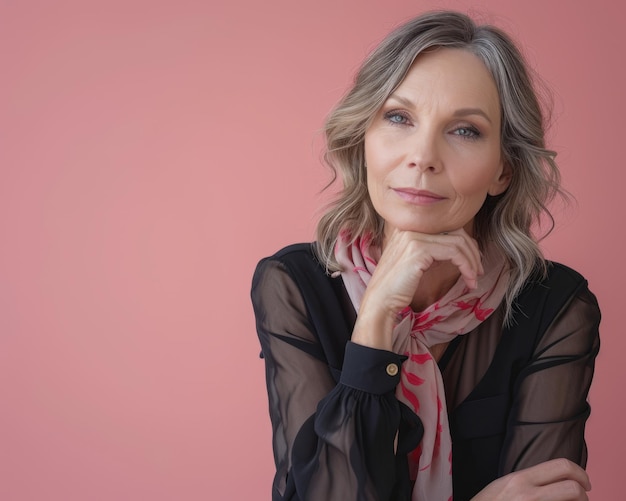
{"x":377,"y":180}
{"x":376,"y":171}
{"x":381,"y":148}
{"x":374,"y":182}
{"x":475,"y":180}
{"x":472,"y":186}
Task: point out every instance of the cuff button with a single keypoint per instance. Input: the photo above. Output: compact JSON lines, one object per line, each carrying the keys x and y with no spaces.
{"x":392,"y":369}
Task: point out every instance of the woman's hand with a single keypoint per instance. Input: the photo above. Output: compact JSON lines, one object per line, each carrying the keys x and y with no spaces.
{"x":555,"y":480}
{"x":407,"y":255}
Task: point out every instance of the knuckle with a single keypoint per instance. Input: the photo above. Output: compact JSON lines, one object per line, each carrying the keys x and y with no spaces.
{"x":457,"y":239}
{"x":572,"y":489}
{"x":413,"y":246}
{"x":565,"y":465}
{"x":515,"y":481}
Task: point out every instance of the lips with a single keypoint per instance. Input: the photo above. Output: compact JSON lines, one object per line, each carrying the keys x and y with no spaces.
{"x":418,"y":197}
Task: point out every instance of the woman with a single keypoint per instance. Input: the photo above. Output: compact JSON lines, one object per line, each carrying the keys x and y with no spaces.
{"x":423,"y":346}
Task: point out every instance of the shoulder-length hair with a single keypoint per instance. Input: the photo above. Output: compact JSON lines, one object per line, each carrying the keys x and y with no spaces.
{"x":508,"y":219}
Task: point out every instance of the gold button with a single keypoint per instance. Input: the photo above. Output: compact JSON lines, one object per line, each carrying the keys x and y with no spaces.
{"x":392,"y":369}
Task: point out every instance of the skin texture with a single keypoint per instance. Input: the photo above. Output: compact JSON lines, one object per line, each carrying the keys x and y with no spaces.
{"x":440,"y":132}
{"x":433,"y":154}
{"x":556,"y":480}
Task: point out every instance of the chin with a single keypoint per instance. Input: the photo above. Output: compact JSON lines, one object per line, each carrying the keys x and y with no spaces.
{"x":428,"y":229}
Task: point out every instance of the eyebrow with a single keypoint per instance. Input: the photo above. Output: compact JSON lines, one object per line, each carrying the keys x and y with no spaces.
{"x":461,"y":112}
{"x":403,"y":101}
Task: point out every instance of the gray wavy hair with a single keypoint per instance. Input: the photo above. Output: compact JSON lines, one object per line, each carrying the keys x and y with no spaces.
{"x":507,"y":219}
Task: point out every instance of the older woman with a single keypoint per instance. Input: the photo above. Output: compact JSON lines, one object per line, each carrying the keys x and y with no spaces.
{"x":423,"y":346}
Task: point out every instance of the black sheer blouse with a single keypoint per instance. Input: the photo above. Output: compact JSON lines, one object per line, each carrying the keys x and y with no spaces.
{"x":516,"y":396}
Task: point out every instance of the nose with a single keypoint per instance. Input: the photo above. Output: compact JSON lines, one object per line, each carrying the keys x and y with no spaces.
{"x":424,"y":151}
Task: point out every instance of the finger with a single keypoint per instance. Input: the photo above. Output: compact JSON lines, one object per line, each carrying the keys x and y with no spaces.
{"x":466,"y":243}
{"x":459,"y":255}
{"x":556,"y":470}
{"x":418,"y":248}
{"x":469,"y":267}
{"x":564,"y":490}
{"x":469,"y":248}
{"x":472,"y":245}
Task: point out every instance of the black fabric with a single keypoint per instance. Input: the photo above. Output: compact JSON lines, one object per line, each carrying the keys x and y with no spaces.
{"x":517,"y":396}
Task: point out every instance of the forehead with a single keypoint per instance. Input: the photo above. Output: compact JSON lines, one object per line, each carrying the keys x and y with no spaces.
{"x":450,"y":78}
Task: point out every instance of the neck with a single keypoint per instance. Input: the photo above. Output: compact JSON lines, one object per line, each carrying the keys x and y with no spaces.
{"x":434,"y":284}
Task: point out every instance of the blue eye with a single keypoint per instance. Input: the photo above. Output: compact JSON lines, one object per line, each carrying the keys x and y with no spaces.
{"x":396,"y":118}
{"x":467,"y":132}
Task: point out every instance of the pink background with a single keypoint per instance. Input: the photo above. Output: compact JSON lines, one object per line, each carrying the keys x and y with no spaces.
{"x":151,"y":152}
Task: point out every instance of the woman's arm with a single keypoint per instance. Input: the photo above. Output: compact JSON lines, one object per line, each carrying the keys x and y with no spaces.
{"x":550,"y":409}
{"x":331,"y":440}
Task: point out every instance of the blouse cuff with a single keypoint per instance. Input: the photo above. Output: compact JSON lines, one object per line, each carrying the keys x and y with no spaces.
{"x":371,"y":370}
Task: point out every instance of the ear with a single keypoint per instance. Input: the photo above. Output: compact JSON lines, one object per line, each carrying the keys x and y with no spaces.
{"x":502,"y":181}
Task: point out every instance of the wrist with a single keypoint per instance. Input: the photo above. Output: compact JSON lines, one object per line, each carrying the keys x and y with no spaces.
{"x":374,"y":329}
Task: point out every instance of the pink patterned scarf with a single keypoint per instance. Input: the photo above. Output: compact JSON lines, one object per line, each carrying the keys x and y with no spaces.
{"x":459,"y":311}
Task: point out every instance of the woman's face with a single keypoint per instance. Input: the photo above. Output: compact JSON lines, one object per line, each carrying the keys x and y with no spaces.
{"x":433,"y":149}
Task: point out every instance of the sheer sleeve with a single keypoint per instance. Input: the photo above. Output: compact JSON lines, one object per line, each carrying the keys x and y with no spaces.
{"x":550,"y":406}
{"x":333,"y":436}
